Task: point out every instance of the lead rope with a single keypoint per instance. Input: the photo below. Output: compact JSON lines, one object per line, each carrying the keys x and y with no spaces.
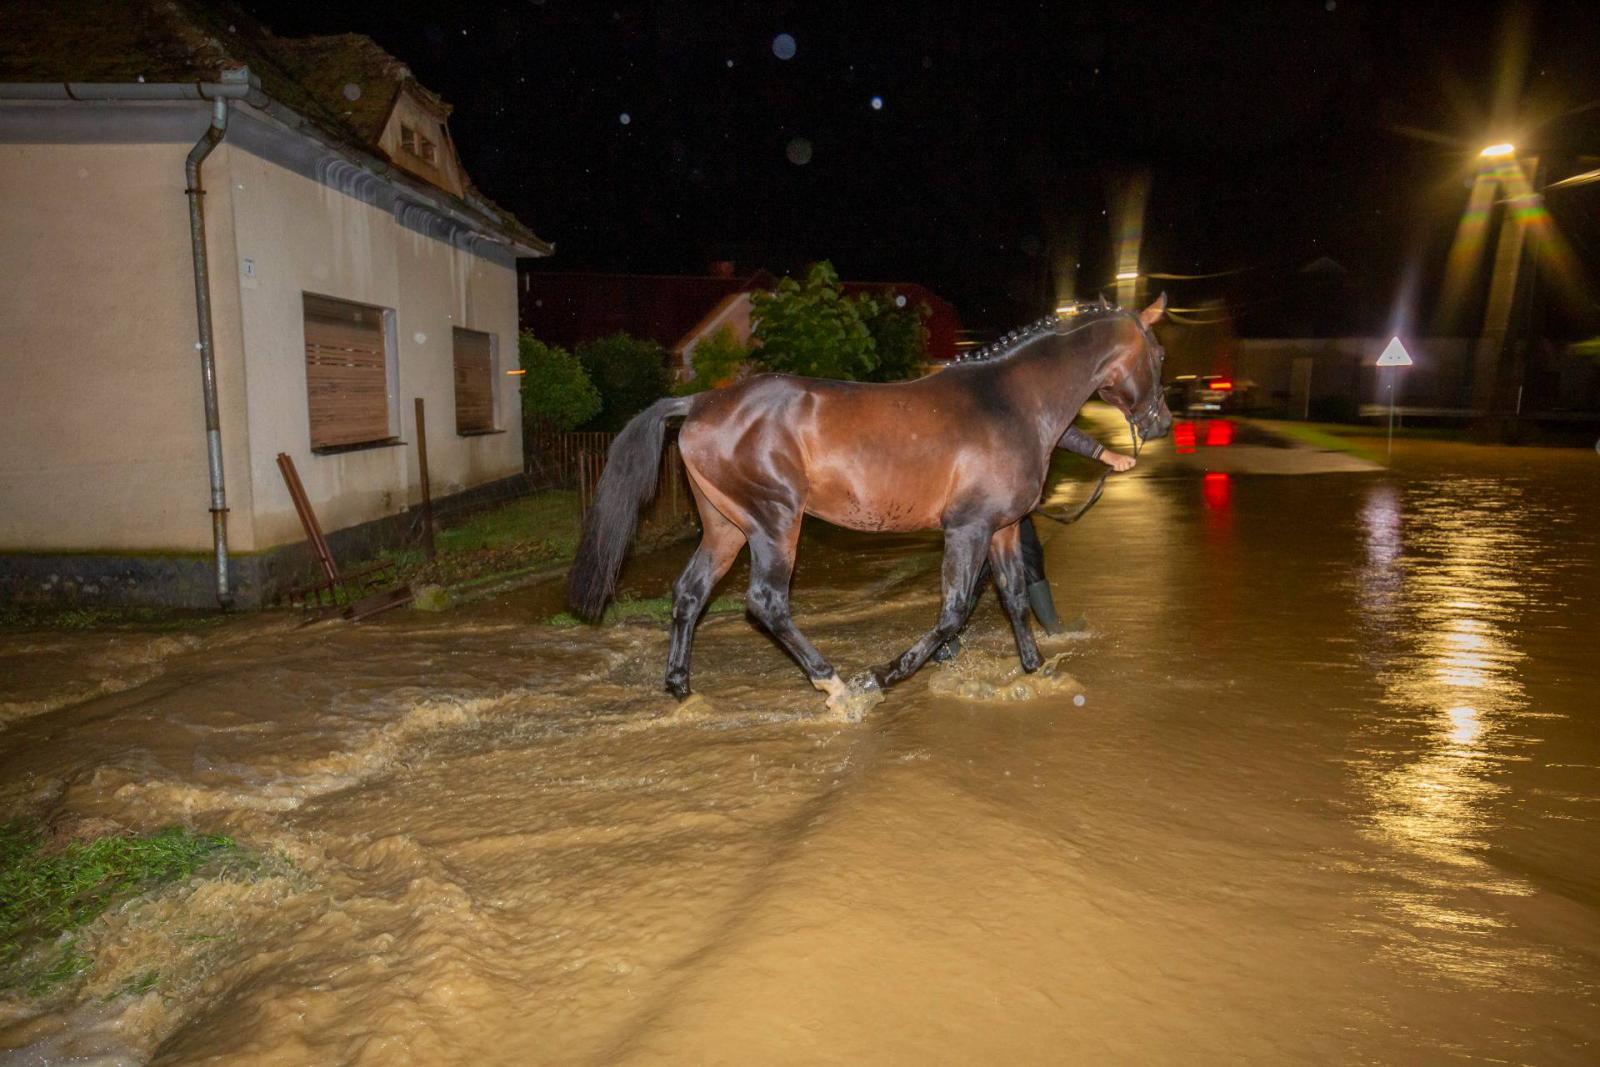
{"x":1067,"y":518}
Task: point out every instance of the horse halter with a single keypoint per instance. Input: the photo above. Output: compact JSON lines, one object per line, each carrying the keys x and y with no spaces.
{"x":1148,"y":414}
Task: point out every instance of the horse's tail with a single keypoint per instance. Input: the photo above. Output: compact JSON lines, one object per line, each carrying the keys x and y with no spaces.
{"x":626,"y":486}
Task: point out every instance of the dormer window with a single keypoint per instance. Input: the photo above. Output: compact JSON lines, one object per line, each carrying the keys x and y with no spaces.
{"x":418,"y":145}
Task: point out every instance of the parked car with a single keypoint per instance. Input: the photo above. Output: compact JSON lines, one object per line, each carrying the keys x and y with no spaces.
{"x":1207,"y":394}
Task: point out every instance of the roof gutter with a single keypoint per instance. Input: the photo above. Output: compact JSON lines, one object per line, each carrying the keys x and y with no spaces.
{"x":246,"y":88}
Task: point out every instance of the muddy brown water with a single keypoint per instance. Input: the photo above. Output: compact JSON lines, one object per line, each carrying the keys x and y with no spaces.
{"x":1332,"y":796}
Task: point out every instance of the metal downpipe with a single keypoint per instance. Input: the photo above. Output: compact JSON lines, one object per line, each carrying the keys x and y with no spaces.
{"x":208,"y":363}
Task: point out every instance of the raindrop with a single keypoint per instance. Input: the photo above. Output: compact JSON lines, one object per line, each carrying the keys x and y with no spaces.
{"x":1078,"y":699}
{"x":624,"y":118}
{"x":783,"y":46}
{"x":799,"y":151}
{"x":730,"y":64}
{"x":900,"y":300}
{"x":352,"y":92}
{"x":877,"y":103}
{"x":420,"y":337}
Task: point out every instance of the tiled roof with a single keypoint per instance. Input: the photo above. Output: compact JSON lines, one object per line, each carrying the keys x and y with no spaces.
{"x":345,"y":83}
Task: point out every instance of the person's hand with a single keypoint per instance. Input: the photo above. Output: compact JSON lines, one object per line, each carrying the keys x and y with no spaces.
{"x":1116,"y":460}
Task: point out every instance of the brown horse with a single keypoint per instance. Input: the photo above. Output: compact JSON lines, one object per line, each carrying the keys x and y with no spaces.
{"x":965,"y":450}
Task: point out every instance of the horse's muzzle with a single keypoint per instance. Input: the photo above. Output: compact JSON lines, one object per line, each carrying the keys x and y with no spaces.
{"x":1158,"y":425}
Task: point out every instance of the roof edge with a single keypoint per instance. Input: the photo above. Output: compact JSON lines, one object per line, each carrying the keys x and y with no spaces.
{"x":477,"y":213}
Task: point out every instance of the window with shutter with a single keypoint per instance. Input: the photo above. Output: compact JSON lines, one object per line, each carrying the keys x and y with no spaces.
{"x":474,"y":381}
{"x":347,"y":373}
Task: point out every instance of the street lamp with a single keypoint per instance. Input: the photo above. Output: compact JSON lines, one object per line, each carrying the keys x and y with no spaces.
{"x":1496,"y":151}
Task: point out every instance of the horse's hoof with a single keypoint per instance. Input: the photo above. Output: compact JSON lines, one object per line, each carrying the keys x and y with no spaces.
{"x":867,"y":682}
{"x":865,"y":693}
{"x":851,"y":703}
{"x":678,"y":688}
{"x":947,"y":651}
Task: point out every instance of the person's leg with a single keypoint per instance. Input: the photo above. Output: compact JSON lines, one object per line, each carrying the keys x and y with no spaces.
{"x":1039,"y":598}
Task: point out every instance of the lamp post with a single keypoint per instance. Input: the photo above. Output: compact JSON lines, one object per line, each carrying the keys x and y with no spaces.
{"x":1514,"y":179}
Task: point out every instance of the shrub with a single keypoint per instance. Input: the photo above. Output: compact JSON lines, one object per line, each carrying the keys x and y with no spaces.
{"x":811,"y":328}
{"x":717,"y":360}
{"x":630,"y":373}
{"x":556,"y":393}
{"x":899,"y":336}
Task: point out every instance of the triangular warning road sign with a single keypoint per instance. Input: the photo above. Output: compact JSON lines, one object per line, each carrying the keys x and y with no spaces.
{"x":1395,"y":355}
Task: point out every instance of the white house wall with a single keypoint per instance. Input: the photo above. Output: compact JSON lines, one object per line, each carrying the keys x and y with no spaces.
{"x":102,"y":430}
{"x":299,"y":235}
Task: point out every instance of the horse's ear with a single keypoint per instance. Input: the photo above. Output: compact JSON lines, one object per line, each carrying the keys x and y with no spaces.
{"x":1152,"y":314}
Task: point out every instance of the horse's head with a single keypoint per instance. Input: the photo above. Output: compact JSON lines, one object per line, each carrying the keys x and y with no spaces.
{"x":1131,"y":380}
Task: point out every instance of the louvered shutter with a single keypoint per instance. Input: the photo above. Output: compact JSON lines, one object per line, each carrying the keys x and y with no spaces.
{"x":474,"y":382}
{"x":346,"y":373}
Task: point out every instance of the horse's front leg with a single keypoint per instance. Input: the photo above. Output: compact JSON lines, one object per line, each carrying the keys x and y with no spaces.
{"x":964,"y":549}
{"x":1011,"y":579}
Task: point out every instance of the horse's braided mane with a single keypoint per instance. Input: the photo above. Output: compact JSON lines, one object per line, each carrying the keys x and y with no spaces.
{"x":1075,"y":315}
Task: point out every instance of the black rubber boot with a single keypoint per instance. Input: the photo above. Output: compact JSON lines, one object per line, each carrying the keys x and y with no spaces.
{"x":1044,"y":606}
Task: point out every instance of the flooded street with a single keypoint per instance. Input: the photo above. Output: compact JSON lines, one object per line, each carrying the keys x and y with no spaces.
{"x":1332,"y":795}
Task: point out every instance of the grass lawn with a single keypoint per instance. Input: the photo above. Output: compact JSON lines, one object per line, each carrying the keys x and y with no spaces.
{"x":49,"y":890}
{"x":522,"y":537}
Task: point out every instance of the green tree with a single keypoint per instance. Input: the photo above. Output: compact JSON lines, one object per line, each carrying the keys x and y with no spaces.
{"x":717,"y":360}
{"x":556,"y":393}
{"x":630,"y":373}
{"x":899,"y":336}
{"x":812,"y":328}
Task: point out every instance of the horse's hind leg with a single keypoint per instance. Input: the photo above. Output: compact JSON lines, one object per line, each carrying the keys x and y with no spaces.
{"x":1011,"y":579}
{"x":964,"y":548}
{"x":772,"y":548}
{"x":720,"y":541}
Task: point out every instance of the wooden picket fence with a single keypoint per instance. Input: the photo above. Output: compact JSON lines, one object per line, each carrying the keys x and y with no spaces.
{"x":577,"y":460}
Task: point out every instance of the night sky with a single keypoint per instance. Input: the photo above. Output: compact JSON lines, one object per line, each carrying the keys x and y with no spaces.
{"x":658,"y":137}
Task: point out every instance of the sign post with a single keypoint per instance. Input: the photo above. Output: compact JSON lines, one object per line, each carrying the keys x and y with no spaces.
{"x":1395,"y":355}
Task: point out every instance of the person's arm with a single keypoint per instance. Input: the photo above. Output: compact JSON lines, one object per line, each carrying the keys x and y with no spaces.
{"x":1075,"y":440}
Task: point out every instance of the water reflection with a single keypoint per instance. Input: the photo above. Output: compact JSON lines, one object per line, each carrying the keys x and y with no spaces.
{"x":1217,"y":489}
{"x":1438,"y":614}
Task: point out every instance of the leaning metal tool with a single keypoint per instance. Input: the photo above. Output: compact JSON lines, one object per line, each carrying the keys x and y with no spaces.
{"x":352,"y":596}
